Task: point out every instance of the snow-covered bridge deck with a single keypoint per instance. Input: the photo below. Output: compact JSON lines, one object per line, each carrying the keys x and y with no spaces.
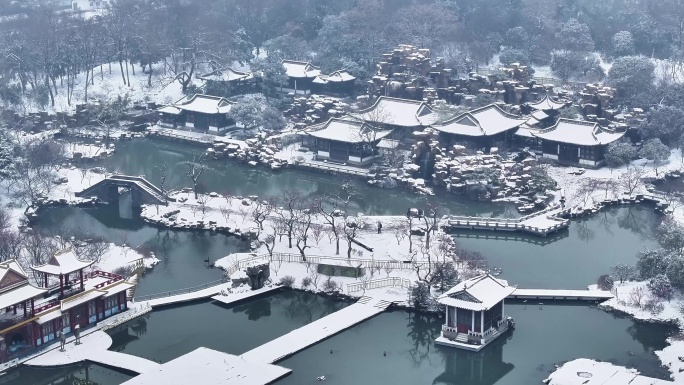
{"x":316,"y":331}
{"x":541,"y":223}
{"x":212,"y":289}
{"x":561,"y":294}
{"x":93,"y":348}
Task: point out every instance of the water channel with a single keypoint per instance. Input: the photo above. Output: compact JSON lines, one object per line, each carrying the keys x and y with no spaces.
{"x":542,"y":338}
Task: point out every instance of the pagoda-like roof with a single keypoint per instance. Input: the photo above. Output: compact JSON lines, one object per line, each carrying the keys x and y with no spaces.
{"x":348,"y":131}
{"x":300,"y":69}
{"x":484,"y":121}
{"x":478,"y":294}
{"x":579,"y":132}
{"x":227,"y":75}
{"x":64,"y":262}
{"x":14,"y":285}
{"x":398,"y":112}
{"x":206,"y":104}
{"x":546,"y":104}
{"x":335,"y":77}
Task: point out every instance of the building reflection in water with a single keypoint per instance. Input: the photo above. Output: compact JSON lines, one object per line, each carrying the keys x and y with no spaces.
{"x":485,"y":367}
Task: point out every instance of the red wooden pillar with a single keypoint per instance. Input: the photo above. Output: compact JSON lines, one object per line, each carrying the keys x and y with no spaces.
{"x":15,"y":308}
{"x":46,"y":280}
{"x":40,"y":332}
{"x":81,"y":274}
{"x":33,"y":306}
{"x":23,"y":306}
{"x":61,"y":285}
{"x":54,"y":327}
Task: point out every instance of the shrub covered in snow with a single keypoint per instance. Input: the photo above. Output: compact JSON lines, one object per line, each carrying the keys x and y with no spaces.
{"x":330,"y":286}
{"x":661,"y":287}
{"x":287,"y":281}
{"x":306,"y":282}
{"x":604,"y":282}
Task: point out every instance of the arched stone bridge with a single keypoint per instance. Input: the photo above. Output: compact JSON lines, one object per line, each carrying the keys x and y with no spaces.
{"x":142,"y":191}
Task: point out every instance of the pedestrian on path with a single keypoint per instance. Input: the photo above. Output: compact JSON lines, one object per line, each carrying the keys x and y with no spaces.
{"x":77,"y":334}
{"x":62,"y":341}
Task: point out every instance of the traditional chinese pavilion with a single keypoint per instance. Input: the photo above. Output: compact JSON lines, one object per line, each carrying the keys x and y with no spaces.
{"x":300,"y":76}
{"x":32,"y":316}
{"x":346,"y":140}
{"x":576,"y":142}
{"x":475,"y":312}
{"x":198,"y":112}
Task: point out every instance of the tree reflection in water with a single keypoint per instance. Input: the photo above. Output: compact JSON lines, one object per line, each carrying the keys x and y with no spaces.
{"x":256,"y":309}
{"x":422,"y":330}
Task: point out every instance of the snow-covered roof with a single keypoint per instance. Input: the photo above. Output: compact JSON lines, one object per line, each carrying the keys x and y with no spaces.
{"x":20,"y":294}
{"x":335,"y":77}
{"x":50,"y":315}
{"x":546,"y":104}
{"x":64,"y":262}
{"x":206,"y":104}
{"x":398,"y":112}
{"x":227,"y":75}
{"x":348,"y":131}
{"x":388,"y":143}
{"x":210,"y":367}
{"x":81,"y":298}
{"x":118,"y":288}
{"x":171,"y":110}
{"x":539,"y":115}
{"x":484,"y":121}
{"x":300,"y":69}
{"x":11,"y":275}
{"x":579,"y":132}
{"x":479,"y":293}
{"x":526,"y":131}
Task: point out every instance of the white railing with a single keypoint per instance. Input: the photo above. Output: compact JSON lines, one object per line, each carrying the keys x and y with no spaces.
{"x":10,"y":364}
{"x":379,"y":283}
{"x":125,"y":317}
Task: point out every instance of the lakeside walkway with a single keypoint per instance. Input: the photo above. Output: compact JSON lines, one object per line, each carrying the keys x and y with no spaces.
{"x":93,"y":348}
{"x":231,"y":298}
{"x":561,"y":294}
{"x":300,"y":339}
{"x":541,"y":223}
{"x":183,"y":295}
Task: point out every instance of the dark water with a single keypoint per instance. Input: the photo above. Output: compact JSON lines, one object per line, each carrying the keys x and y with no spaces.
{"x":585,"y":251}
{"x":99,"y":375}
{"x":168,"y":333}
{"x":143,"y":157}
{"x":525,"y":356}
{"x":182,"y":253}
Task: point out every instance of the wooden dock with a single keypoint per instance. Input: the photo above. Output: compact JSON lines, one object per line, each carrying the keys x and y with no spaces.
{"x":561,"y":294}
{"x":541,"y":223}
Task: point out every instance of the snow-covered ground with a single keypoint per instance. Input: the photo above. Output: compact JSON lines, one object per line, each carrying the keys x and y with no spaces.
{"x":87,"y":151}
{"x":590,"y":372}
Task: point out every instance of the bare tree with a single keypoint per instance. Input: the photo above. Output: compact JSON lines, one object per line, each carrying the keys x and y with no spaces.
{"x":352,"y":225}
{"x":162,"y":180}
{"x":315,"y":275}
{"x":409,"y":228}
{"x":388,"y":269}
{"x":623,"y":271}
{"x":431,"y":221}
{"x":337,"y":212}
{"x":632,"y":178}
{"x":636,"y":295}
{"x":289,"y":212}
{"x":202,"y":200}
{"x":225,"y":212}
{"x":317,"y":232}
{"x":269,"y":242}
{"x":5,"y":219}
{"x":275,"y":266}
{"x":261,"y":209}
{"x":400,"y":232}
{"x":11,"y":244}
{"x":194,"y":171}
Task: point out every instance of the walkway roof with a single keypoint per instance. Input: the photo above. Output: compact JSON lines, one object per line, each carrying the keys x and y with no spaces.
{"x":484,"y":121}
{"x":335,"y":77}
{"x":20,"y":294}
{"x":348,"y":131}
{"x":579,"y":132}
{"x":478,"y":294}
{"x":64,"y":262}
{"x":300,"y":69}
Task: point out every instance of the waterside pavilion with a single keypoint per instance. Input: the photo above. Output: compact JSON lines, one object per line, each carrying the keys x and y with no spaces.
{"x":345,"y":140}
{"x":474,"y":312}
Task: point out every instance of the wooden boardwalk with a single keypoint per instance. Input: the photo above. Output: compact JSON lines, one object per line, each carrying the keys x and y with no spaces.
{"x":541,"y":223}
{"x":561,"y":294}
{"x":300,"y":339}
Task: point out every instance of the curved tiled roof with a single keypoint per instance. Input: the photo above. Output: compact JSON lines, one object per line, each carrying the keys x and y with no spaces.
{"x":484,"y":121}
{"x":578,"y":132}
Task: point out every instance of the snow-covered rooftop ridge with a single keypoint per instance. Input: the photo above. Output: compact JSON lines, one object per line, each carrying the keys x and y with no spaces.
{"x":64,"y":262}
{"x":348,"y":131}
{"x":10,"y":266}
{"x":484,"y":121}
{"x":478,"y":293}
{"x":206,"y":104}
{"x":210,"y":367}
{"x":227,"y":75}
{"x":335,"y":77}
{"x":547,"y":104}
{"x":300,"y":69}
{"x":398,"y":112}
{"x":579,"y":132}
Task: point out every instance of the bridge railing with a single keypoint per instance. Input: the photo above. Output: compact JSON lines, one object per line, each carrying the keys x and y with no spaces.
{"x":171,"y":293}
{"x":379,"y":283}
